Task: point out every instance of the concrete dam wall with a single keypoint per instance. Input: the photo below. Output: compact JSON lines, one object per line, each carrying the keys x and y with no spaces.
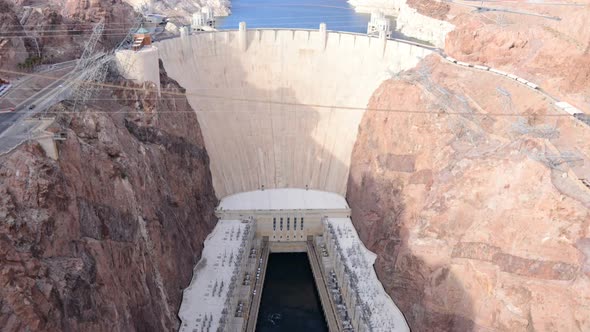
{"x":281,"y":108}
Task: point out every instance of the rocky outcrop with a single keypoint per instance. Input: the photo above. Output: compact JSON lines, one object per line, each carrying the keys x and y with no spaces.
{"x":182,"y":10}
{"x":12,"y":50}
{"x":58,"y":30}
{"x":554,"y":54}
{"x":474,"y":229}
{"x":106,"y":237}
{"x":417,"y":22}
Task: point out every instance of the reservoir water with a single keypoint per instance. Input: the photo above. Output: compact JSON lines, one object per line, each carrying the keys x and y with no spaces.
{"x":290,"y":302}
{"x":303,"y":14}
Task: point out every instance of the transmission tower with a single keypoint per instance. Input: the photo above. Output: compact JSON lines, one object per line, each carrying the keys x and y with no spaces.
{"x":89,"y":69}
{"x":93,"y":67}
{"x":88,"y":52}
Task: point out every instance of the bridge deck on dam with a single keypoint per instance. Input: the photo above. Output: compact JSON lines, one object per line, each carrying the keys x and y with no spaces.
{"x":281,"y":108}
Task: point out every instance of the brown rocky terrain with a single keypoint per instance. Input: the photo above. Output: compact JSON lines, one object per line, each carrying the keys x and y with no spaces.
{"x":435,"y":9}
{"x":35,"y":32}
{"x":105,"y":238}
{"x":478,"y":221}
{"x":552,"y":53}
{"x":12,"y":50}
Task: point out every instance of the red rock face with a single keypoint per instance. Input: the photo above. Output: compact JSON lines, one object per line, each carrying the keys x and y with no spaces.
{"x":552,"y":53}
{"x":57,"y":30}
{"x":12,"y":50}
{"x":105,"y":238}
{"x":472,"y":231}
{"x":434,"y":9}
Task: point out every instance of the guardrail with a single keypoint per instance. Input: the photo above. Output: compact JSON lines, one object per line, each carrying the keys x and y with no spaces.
{"x":409,"y":42}
{"x":562,"y":105}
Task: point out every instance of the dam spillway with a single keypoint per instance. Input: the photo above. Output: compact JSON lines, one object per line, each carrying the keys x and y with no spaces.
{"x":281,"y":108}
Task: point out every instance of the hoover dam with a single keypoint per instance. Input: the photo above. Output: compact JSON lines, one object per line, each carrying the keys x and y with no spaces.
{"x":279,"y":110}
{"x":431,"y":174}
{"x":282,"y":107}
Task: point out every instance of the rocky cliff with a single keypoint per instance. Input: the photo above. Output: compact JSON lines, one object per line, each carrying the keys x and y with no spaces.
{"x":181,"y":10}
{"x":552,"y":51}
{"x":477,"y":221}
{"x":105,"y":238}
{"x":32,"y":33}
{"x":12,"y":50}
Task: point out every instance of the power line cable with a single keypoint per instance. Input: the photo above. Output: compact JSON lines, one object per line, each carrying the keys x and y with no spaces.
{"x":275,"y":102}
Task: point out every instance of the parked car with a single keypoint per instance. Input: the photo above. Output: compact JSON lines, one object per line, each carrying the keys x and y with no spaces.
{"x":32,"y":106}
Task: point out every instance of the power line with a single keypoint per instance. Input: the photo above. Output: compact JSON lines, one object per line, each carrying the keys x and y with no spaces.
{"x":274,"y":102}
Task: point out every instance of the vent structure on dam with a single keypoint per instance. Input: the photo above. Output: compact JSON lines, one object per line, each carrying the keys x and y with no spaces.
{"x":225,"y":292}
{"x":279,"y":109}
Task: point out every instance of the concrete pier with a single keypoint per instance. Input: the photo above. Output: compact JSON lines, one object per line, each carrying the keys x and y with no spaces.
{"x":255,"y":299}
{"x":320,"y":282}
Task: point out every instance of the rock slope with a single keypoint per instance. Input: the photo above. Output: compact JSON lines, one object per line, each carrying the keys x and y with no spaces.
{"x":554,"y":54}
{"x":56,"y":30}
{"x":477,"y":223}
{"x":105,"y":238}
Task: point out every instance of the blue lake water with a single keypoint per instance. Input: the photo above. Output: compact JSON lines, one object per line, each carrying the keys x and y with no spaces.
{"x":303,"y":14}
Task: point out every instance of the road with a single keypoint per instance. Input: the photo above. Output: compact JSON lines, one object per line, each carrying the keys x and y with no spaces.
{"x":25,"y":86}
{"x":13,"y":127}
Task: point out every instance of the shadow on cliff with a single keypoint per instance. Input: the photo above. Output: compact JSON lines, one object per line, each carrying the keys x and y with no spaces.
{"x":116,"y":224}
{"x":430,"y":295}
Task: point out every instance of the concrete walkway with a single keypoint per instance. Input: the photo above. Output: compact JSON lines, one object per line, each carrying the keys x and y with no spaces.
{"x":256,"y":298}
{"x":320,"y":282}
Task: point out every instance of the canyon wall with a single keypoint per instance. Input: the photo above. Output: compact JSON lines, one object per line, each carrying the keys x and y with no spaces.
{"x":281,"y":108}
{"x":476,"y":225}
{"x":56,"y":30}
{"x":12,"y":50}
{"x":181,"y":10}
{"x":106,"y":237}
{"x":553,"y":53}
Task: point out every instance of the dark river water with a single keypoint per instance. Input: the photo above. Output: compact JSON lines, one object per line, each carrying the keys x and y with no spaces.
{"x":290,"y":302}
{"x":303,"y":14}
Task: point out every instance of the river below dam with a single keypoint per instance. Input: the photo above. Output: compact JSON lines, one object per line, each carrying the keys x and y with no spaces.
{"x":290,"y":301}
{"x":302,"y":14}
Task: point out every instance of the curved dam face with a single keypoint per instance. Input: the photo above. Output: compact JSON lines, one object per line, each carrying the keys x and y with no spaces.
{"x":281,"y":108}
